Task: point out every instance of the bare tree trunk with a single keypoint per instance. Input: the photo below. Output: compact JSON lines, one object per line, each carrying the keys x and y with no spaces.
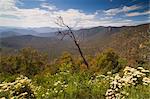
{"x":72,"y":36}
{"x":81,"y":54}
{"x":78,"y":46}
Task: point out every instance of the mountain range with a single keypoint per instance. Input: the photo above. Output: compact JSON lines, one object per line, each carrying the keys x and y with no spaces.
{"x":15,"y":31}
{"x":124,"y":40}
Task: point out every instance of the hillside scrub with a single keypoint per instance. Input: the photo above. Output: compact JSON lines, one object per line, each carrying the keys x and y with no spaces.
{"x":27,"y":62}
{"x":29,"y":74}
{"x":65,"y":85}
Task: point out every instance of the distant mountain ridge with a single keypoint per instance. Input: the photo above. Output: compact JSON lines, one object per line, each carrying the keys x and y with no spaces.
{"x":125,"y":40}
{"x":8,"y":34}
{"x":51,"y":32}
{"x":41,"y":32}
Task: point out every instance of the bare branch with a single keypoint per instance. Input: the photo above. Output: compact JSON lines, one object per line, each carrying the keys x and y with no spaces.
{"x":69,"y":32}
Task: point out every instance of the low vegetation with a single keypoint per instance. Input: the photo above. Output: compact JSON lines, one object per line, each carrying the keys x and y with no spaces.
{"x":30,"y":74}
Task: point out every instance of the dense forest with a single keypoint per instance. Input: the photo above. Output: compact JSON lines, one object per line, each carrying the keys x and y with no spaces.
{"x":118,"y":59}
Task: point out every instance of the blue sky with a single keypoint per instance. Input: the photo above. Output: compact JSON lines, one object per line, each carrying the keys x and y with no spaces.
{"x":85,"y":5}
{"x":76,"y":13}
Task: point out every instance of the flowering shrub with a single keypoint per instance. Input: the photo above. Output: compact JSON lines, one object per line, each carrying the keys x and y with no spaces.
{"x":130,"y":77}
{"x":22,"y":87}
{"x":67,"y":85}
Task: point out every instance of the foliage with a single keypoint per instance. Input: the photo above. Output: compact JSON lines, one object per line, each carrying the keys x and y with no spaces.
{"x":22,"y":87}
{"x":131,"y":77}
{"x":65,"y":85}
{"x":28,"y":62}
{"x":108,"y":61}
{"x":138,"y":92}
{"x":65,"y":62}
{"x":68,"y":78}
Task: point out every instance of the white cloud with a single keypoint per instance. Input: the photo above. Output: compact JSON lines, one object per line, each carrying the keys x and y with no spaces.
{"x":115,"y":11}
{"x":137,"y":13}
{"x":130,"y":8}
{"x":8,"y":5}
{"x":42,"y":0}
{"x":48,"y":6}
{"x":11,"y":15}
{"x":112,"y":12}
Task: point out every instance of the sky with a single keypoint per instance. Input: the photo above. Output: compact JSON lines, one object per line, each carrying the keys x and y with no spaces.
{"x":75,"y":13}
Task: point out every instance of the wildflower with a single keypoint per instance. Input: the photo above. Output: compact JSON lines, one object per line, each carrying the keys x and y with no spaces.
{"x":46,"y":93}
{"x":145,"y":71}
{"x":140,"y":68}
{"x":130,"y":77}
{"x":108,"y":73}
{"x":3,"y":98}
{"x":61,"y":91}
{"x":146,"y":80}
{"x":14,"y":88}
{"x":56,"y":91}
{"x":56,"y":83}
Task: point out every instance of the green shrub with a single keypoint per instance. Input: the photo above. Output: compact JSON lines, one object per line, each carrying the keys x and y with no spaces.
{"x":27,"y":62}
{"x":22,"y":87}
{"x":108,"y":61}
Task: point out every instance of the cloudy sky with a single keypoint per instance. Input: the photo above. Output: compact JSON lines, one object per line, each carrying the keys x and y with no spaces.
{"x":76,"y":13}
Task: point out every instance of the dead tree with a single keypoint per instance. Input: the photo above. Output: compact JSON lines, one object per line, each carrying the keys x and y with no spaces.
{"x":69,"y":32}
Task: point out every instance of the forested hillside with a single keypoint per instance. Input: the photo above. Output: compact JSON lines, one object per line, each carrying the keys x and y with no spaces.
{"x":126,"y":41}
{"x":48,"y":68}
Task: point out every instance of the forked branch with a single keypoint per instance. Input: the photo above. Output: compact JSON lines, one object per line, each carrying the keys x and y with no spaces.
{"x":71,"y":34}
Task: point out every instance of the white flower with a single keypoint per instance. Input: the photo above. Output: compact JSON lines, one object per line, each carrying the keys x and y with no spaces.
{"x":145,"y":71}
{"x":130,"y":77}
{"x":56,"y":91}
{"x":108,"y":73}
{"x":140,"y":68}
{"x":61,"y":91}
{"x":16,"y":86}
{"x":146,"y":80}
{"x":3,"y":98}
{"x":56,"y":83}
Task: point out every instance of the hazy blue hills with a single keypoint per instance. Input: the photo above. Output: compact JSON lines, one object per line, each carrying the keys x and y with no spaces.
{"x":8,"y":34}
{"x":41,"y":32}
{"x":92,"y":40}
